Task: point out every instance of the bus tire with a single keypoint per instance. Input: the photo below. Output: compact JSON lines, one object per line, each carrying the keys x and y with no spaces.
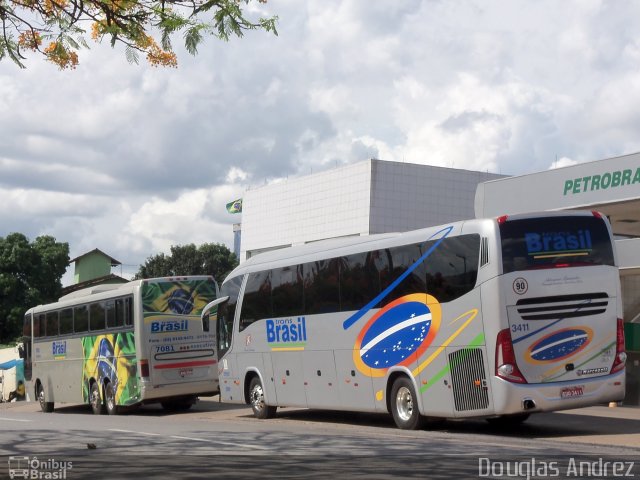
{"x":46,"y":407}
{"x":404,"y":405}
{"x":110,"y":399}
{"x":256,"y":400}
{"x":95,"y":399}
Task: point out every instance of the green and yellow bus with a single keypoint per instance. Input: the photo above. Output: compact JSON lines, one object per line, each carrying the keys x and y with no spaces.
{"x":114,"y":346}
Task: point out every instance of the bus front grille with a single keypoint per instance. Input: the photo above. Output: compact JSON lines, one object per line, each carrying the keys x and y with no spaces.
{"x":469,"y":380}
{"x":562,"y":306}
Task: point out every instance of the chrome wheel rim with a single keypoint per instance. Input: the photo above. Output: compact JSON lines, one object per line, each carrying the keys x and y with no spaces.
{"x":110,"y":400}
{"x":95,"y":397}
{"x":404,"y":404}
{"x":257,"y":398}
{"x":41,"y":398}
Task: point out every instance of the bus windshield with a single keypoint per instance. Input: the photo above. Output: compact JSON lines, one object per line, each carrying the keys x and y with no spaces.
{"x":555,"y":242}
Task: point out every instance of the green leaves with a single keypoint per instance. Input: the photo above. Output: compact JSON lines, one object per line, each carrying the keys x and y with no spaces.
{"x":208,"y":259}
{"x":133,"y":23}
{"x":30,"y":274}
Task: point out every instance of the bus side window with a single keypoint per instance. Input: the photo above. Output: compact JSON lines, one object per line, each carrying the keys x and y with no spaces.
{"x":26,"y":326}
{"x":97,"y":316}
{"x":128,"y":311}
{"x":321,"y":281}
{"x":226,"y":314}
{"x":66,"y":321}
{"x":52,"y":324}
{"x":40,"y":326}
{"x":257,"y":299}
{"x":287,"y":298}
{"x":453,"y":270}
{"x":81,"y":319}
{"x":120,"y":312}
{"x":110,"y":310}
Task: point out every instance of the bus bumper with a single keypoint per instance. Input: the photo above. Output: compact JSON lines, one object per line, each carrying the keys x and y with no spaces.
{"x":511,"y":398}
{"x":152,"y":393}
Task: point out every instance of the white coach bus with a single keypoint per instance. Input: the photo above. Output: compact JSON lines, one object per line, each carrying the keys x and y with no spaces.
{"x":495,"y":318}
{"x":116,"y":346}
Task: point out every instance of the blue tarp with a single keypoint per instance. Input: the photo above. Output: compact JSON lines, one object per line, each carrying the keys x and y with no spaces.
{"x":11,"y":363}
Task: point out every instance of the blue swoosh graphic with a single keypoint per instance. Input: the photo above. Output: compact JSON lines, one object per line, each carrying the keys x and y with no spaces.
{"x":358,"y":315}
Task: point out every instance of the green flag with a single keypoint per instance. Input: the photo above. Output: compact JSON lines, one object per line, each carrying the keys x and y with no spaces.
{"x":235,"y":206}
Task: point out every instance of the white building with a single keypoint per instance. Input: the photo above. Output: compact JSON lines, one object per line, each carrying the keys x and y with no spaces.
{"x":368,"y":197}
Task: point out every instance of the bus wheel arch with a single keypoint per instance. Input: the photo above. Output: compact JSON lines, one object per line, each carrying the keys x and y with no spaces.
{"x":45,"y":406}
{"x":403,"y":402}
{"x":255,"y":397}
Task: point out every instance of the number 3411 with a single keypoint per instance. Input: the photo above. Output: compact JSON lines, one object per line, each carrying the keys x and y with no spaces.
{"x":520,"y":327}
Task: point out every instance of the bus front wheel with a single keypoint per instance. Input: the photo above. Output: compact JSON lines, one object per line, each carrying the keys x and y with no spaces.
{"x":96,"y":400}
{"x":404,"y":405}
{"x":46,"y":407}
{"x":256,"y":399}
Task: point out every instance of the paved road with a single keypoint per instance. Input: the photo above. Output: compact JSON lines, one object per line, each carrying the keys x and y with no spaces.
{"x":215,"y":439}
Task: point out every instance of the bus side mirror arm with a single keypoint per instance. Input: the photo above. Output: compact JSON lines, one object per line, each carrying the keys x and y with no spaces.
{"x":210,"y":305}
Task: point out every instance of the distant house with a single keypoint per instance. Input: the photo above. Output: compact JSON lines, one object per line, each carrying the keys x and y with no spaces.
{"x":93,"y":268}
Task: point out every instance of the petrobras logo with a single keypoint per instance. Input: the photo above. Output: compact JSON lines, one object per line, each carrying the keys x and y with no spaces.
{"x":287,"y":333}
{"x":161,"y":326}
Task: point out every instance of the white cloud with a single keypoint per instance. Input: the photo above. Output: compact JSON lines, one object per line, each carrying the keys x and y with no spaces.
{"x":133,"y":159}
{"x":562,"y":162}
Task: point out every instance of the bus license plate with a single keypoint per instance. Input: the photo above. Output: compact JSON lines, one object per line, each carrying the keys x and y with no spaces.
{"x":186,"y":372}
{"x":572,"y":392}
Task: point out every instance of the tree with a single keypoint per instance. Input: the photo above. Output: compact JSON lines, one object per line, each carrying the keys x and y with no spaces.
{"x":30,"y":275}
{"x":213,"y":259}
{"x":56,"y":28}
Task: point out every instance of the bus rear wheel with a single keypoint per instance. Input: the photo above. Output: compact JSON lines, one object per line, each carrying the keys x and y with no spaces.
{"x":404,"y":405}
{"x":46,"y":407}
{"x":256,"y":399}
{"x":110,"y":399}
{"x":96,"y":400}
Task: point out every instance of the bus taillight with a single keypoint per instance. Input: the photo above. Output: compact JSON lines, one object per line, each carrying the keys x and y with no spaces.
{"x":621,"y":355}
{"x":144,"y":368}
{"x":506,"y":366}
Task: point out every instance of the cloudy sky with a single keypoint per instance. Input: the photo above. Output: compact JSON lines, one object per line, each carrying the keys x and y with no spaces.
{"x":132,"y":159}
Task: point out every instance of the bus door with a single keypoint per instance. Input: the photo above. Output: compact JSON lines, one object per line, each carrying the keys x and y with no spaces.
{"x":561,"y":287}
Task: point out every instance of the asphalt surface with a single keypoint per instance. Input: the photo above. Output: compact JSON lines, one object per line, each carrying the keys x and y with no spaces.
{"x":600,"y":425}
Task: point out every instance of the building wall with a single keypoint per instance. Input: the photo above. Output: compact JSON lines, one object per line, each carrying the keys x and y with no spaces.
{"x":407,"y":196}
{"x":329,"y":204}
{"x":92,"y":265}
{"x":373,"y":196}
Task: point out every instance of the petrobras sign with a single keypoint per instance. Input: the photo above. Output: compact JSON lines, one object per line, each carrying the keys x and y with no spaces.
{"x":604,"y":181}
